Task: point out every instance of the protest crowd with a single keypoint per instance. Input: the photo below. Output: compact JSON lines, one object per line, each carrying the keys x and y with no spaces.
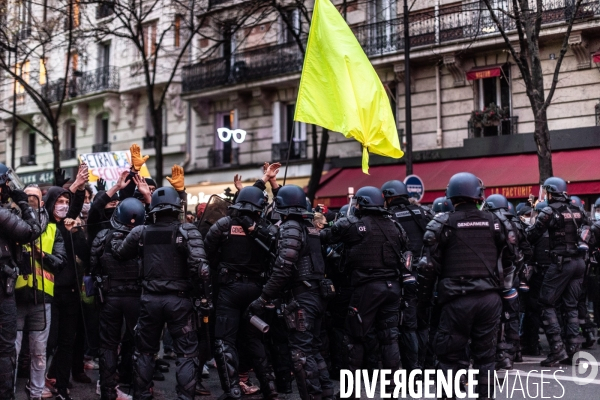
{"x":272,"y":291}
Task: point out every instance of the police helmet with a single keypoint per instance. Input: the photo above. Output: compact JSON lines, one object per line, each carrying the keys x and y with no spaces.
{"x":442,"y":204}
{"x":250,"y":198}
{"x":309,"y":206}
{"x":541,"y":205}
{"x":512,"y":209}
{"x":128,"y":214}
{"x":497,"y":201}
{"x":165,"y":198}
{"x":555,"y":186}
{"x":394,"y":188}
{"x":290,"y":199}
{"x":369,"y":197}
{"x":466,"y":185}
{"x":597,"y":203}
{"x":576,"y":201}
{"x":343,"y":211}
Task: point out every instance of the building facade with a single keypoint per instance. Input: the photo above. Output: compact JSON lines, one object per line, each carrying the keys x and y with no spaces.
{"x":243,"y":70}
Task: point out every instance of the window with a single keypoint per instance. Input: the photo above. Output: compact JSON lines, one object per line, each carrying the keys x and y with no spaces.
{"x":31,"y":143}
{"x":70,"y":134}
{"x":229,"y":44}
{"x":22,"y":70}
{"x":149,"y":38}
{"x":105,"y":8}
{"x":291,"y":26}
{"x":103,"y":55}
{"x":495,"y":90}
{"x":43,"y":75}
{"x":102,"y":132}
{"x":177,"y":31}
{"x":225,"y":153}
{"x":383,"y":10}
{"x":285,"y":129}
{"x":25,"y":19}
{"x":74,"y":15}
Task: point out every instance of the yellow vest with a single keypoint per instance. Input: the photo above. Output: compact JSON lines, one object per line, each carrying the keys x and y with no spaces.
{"x":45,"y":281}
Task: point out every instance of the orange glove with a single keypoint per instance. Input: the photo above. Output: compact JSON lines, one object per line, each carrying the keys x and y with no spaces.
{"x":177,"y":180}
{"x":137,"y":161}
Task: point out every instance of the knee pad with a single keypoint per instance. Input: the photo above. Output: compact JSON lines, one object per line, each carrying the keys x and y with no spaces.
{"x":298,"y":359}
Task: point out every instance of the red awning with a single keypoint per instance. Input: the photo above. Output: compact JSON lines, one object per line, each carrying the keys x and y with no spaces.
{"x":515,"y":176}
{"x":488,"y":71}
{"x":596,"y":58}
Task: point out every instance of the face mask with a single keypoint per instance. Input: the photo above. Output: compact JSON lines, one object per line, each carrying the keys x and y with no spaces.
{"x":597,"y":216}
{"x":61,"y":211}
{"x":526,"y":221}
{"x":86,"y":208}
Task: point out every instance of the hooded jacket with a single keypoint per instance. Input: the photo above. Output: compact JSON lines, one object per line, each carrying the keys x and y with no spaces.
{"x":75,"y":241}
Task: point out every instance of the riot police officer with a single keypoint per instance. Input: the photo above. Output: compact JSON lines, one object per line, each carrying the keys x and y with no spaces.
{"x":173,"y":258}
{"x":462,"y":250}
{"x":442,"y":204}
{"x":118,"y":288}
{"x":413,"y":220}
{"x":509,"y":347}
{"x":298,"y":272}
{"x":241,"y":269}
{"x":566,"y":226}
{"x":374,"y":246}
{"x":15,"y":230}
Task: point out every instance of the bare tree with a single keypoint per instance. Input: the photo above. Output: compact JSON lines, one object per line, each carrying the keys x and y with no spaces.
{"x":33,"y":32}
{"x":527,"y":16}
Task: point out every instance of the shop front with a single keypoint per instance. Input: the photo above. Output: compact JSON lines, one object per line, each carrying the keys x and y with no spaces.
{"x":514,"y":176}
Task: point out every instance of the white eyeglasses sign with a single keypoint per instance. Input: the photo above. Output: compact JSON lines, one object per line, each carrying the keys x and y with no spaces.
{"x":225,"y":134}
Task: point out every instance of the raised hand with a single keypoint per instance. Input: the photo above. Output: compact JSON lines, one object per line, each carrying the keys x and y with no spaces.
{"x":177,"y":179}
{"x":137,"y":161}
{"x":237,"y":181}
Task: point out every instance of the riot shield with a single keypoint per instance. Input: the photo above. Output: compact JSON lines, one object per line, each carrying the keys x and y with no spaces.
{"x":216,"y":208}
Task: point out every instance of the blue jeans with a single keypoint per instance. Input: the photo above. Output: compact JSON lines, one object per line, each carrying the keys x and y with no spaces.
{"x":34,"y":315}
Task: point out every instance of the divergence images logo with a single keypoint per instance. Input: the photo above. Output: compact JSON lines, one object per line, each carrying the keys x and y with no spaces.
{"x":584,"y":363}
{"x":226,"y":134}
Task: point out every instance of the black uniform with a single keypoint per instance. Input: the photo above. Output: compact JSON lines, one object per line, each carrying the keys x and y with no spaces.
{"x":374,"y":245}
{"x":121,"y":292}
{"x":14,"y":231}
{"x":241,"y":268}
{"x":564,"y":278}
{"x":414,"y":220}
{"x":298,"y":272}
{"x":509,"y":345}
{"x":532,"y":322}
{"x":172,"y":256}
{"x":462,"y":250}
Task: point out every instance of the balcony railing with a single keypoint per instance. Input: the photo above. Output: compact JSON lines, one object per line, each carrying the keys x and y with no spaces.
{"x":221,"y":158}
{"x":68,"y":154}
{"x":100,"y":147}
{"x":244,"y":66}
{"x":507,"y":126}
{"x":280,"y":150}
{"x":467,"y":21}
{"x":149,"y":141}
{"x":28,"y":159}
{"x":82,"y":83}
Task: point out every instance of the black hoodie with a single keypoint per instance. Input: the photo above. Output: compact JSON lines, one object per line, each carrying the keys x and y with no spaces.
{"x":75,"y":242}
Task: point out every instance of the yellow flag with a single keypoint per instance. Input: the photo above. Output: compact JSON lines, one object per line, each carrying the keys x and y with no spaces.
{"x":340,"y":90}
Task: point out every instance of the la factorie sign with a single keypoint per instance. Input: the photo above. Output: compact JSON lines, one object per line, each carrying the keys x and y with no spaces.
{"x":512,"y":191}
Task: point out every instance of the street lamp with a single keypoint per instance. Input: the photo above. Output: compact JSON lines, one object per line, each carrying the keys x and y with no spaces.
{"x":407,"y":99}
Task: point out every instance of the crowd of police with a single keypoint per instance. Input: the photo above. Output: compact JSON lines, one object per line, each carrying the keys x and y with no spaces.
{"x":285,"y":290}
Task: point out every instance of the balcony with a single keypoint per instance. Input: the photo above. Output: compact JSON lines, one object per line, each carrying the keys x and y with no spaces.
{"x":149,"y":141}
{"x":100,"y":147}
{"x":280,"y":150}
{"x":82,"y":83}
{"x":28,"y":159}
{"x":68,"y":154}
{"x":222,"y":158}
{"x":506,"y":126}
{"x":464,"y":22}
{"x":263,"y":63}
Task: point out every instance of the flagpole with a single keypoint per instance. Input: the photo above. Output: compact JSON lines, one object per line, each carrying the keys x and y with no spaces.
{"x":287,"y":161}
{"x":407,"y":94}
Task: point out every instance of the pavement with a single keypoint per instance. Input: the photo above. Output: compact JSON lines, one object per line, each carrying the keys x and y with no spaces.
{"x":526,"y":381}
